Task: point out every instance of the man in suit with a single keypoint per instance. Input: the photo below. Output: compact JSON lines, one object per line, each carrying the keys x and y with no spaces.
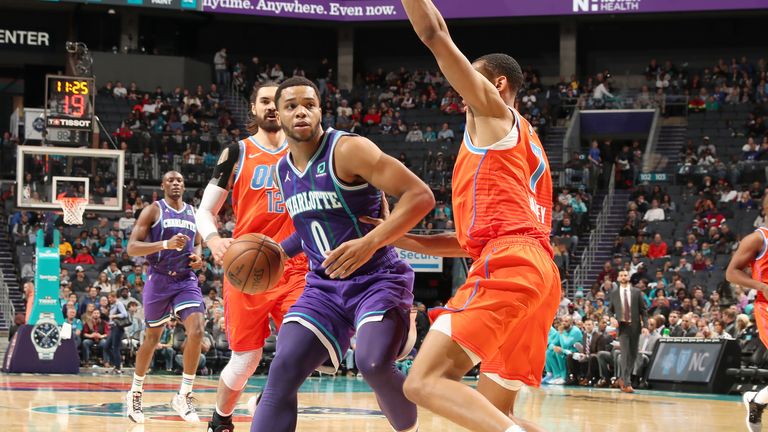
{"x":648,"y":338}
{"x":688,"y":325}
{"x":675,"y":328}
{"x":628,"y":307}
{"x":578,"y":361}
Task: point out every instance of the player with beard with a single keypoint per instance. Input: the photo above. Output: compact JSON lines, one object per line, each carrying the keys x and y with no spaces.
{"x":356,"y":283}
{"x":247,"y":169}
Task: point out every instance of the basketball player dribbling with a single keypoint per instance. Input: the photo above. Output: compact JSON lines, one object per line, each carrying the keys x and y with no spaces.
{"x":752,"y":254}
{"x":502,"y":197}
{"x":163,"y":233}
{"x":247,"y":168}
{"x":356,"y":282}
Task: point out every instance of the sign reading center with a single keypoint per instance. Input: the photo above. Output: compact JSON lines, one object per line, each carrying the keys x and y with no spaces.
{"x":420,"y":262}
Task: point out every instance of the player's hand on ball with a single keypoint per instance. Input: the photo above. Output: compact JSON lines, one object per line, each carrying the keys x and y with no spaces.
{"x":350,"y":256}
{"x":218,"y":247}
{"x":195,"y":262}
{"x":178,"y":242}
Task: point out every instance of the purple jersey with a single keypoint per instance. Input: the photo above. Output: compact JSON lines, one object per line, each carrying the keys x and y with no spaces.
{"x":324,"y":209}
{"x":170,"y":223}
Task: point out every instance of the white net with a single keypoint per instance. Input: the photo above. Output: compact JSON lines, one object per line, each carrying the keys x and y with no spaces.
{"x":73,"y":210}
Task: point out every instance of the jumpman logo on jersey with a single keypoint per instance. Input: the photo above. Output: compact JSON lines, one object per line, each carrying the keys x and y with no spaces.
{"x":287,"y":178}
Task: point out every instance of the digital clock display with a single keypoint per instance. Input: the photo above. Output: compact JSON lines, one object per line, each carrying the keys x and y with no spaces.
{"x":69,"y":102}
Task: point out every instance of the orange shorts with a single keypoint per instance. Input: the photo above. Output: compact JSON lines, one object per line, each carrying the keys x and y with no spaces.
{"x":761,"y":319}
{"x":247,"y":316}
{"x":502,"y":314}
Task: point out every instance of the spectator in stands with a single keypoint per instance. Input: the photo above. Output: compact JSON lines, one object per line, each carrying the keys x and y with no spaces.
{"x":102,"y":283}
{"x":640,"y":247}
{"x":446,"y":134}
{"x":220,"y":66}
{"x":655,"y":213}
{"x":658,"y":248}
{"x":562,"y":344}
{"x":568,"y":234}
{"x":688,"y":325}
{"x":91,"y":298}
{"x":64,"y":245}
{"x":21,"y":230}
{"x":84,"y":257}
{"x":211,"y":298}
{"x":429,"y":134}
{"x":648,"y":339}
{"x":80,"y":283}
{"x":120,"y":91}
{"x":692,"y":246}
{"x":415,"y":135}
{"x":70,"y":317}
{"x":164,"y":348}
{"x":660,"y":303}
{"x":95,"y":333}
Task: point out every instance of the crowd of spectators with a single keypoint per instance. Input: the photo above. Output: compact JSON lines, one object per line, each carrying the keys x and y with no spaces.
{"x":101,"y":252}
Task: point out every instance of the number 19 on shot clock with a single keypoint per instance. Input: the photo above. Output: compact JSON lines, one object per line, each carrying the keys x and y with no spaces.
{"x":69,"y":102}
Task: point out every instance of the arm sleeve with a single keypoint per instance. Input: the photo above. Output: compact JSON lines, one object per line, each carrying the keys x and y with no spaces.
{"x":216,"y":192}
{"x":292,"y":245}
{"x":226,"y":166}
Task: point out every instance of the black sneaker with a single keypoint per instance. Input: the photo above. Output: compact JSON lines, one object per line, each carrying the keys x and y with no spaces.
{"x":754,"y":412}
{"x":219,"y":424}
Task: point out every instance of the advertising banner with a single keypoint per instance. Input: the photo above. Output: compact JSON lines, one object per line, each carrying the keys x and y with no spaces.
{"x":421,"y":263}
{"x":388,"y":10}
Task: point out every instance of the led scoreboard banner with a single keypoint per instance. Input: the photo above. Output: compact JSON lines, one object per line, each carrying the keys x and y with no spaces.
{"x":69,"y":103}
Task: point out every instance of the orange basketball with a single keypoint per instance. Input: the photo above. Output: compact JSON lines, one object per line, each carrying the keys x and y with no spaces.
{"x":253,"y":264}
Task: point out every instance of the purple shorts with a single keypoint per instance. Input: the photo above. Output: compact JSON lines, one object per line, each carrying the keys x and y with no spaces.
{"x":167,"y":296}
{"x":334,"y":309}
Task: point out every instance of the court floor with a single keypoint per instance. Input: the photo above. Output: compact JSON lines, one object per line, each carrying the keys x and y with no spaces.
{"x":94,"y":402}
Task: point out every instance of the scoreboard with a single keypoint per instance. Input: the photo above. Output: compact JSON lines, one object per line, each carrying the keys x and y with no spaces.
{"x":69,"y":108}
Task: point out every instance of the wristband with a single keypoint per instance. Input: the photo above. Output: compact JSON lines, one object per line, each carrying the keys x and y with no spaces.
{"x":292,"y":245}
{"x":165,"y":244}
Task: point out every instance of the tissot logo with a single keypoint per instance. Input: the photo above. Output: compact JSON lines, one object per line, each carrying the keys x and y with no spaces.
{"x":606,"y":5}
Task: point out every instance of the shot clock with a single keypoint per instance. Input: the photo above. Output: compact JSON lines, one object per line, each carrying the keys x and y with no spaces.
{"x":69,"y":102}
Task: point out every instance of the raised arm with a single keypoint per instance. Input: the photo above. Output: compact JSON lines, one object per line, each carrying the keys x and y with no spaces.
{"x":356,"y":160}
{"x":478,"y":92}
{"x":214,"y":197}
{"x":750,"y":247}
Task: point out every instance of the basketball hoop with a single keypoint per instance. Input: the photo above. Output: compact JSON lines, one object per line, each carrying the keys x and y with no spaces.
{"x":73,"y":209}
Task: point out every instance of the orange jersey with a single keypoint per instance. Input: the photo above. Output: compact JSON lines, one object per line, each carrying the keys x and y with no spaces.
{"x":760,"y":264}
{"x":256,"y":199}
{"x":502,"y":190}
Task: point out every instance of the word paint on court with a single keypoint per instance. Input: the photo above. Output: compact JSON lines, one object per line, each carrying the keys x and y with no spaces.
{"x":164,"y":412}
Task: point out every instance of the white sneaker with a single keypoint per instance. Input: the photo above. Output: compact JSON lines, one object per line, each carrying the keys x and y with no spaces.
{"x":557,"y":381}
{"x":185,"y":407}
{"x":253,"y":401}
{"x":754,"y":412}
{"x":134,"y":409}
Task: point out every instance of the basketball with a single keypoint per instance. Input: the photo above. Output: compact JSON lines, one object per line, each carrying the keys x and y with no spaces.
{"x":253,"y":264}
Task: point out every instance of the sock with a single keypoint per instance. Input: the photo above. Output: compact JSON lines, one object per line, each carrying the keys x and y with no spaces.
{"x":762,"y":396}
{"x":515,"y":428}
{"x":138,"y":383}
{"x":222,"y":415}
{"x":219,"y":418}
{"x":186,"y":384}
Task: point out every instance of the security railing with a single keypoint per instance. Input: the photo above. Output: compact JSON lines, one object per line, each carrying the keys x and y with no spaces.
{"x":7,"y":311}
{"x":598,"y":234}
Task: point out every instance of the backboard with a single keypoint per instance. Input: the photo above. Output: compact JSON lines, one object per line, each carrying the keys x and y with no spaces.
{"x":44,"y":174}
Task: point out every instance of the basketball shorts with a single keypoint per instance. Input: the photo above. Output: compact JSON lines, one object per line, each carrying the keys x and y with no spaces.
{"x":761,"y":319}
{"x":335,"y":309}
{"x":247,"y":316}
{"x":166,"y":296}
{"x":502,"y":314}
